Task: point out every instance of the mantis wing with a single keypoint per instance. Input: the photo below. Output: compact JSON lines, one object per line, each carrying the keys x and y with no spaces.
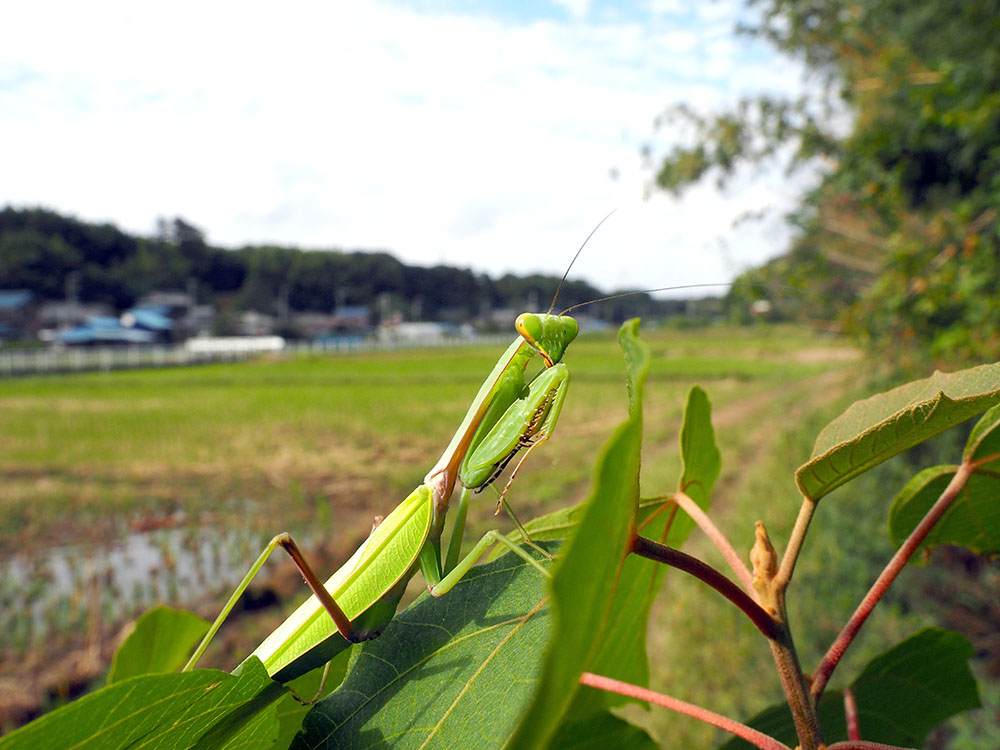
{"x":376,"y":574}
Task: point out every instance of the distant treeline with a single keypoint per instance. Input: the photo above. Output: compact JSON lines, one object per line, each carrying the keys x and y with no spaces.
{"x":56,"y":256}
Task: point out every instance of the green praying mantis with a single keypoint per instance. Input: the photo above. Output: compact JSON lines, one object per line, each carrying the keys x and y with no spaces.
{"x":508,"y":415}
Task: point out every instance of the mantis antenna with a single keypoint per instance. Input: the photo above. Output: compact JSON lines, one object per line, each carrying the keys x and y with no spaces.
{"x":641,"y":291}
{"x":570,"y":266}
{"x":672,"y":288}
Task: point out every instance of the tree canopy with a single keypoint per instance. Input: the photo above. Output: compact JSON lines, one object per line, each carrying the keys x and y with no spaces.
{"x":900,"y":238}
{"x":44,"y":251}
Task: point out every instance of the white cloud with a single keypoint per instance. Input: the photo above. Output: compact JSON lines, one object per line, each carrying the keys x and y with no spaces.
{"x":577,"y":9}
{"x":442,"y":137}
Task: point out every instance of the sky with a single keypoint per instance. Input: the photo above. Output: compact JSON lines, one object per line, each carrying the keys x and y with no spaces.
{"x":485,"y":134}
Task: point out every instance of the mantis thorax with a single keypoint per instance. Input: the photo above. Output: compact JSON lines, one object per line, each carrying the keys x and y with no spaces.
{"x":549,"y":335}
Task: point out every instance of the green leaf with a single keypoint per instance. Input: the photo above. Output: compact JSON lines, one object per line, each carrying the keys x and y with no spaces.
{"x":561,"y":523}
{"x":308,"y":687}
{"x":602,"y":731}
{"x":878,"y":428}
{"x":699,"y":454}
{"x":907,"y":691}
{"x":455,"y":671}
{"x":587,"y":574}
{"x":622,"y":651}
{"x":161,"y":641}
{"x":200,"y":709}
{"x":984,"y":442}
{"x":901,"y":695}
{"x":973,"y":520}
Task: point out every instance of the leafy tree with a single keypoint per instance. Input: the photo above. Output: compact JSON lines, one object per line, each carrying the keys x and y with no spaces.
{"x":267,"y":270}
{"x":902,"y":232}
{"x":40,"y":248}
{"x":188,"y":241}
{"x":33,"y":261}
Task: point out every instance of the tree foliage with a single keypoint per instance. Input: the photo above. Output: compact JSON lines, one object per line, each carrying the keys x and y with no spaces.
{"x":40,"y":249}
{"x":901,"y":236}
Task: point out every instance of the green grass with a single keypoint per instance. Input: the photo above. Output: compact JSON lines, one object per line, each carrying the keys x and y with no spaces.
{"x":197,"y":438}
{"x":318,"y":445}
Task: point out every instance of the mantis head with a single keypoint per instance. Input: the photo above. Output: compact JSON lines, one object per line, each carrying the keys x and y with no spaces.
{"x":549,"y":335}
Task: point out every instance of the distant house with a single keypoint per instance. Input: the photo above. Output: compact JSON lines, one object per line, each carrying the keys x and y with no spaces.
{"x":315,"y":325}
{"x":352,"y":319}
{"x":189,"y":318}
{"x":502,"y":318}
{"x":60,"y":314}
{"x":349,"y":321}
{"x":253,"y":323}
{"x":414,"y":333}
{"x":172,"y":303}
{"x":590,"y":324}
{"x":17,"y":314}
{"x":57,"y":317}
{"x":103,"y":330}
{"x":153,"y":319}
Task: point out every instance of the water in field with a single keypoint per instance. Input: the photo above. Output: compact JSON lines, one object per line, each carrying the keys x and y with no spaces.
{"x":80,"y":585}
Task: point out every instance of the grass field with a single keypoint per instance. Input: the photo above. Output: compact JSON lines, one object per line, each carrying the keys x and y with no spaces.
{"x":351,"y":431}
{"x":209,"y":462}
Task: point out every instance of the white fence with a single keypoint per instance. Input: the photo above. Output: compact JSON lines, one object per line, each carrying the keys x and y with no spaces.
{"x":84,"y":359}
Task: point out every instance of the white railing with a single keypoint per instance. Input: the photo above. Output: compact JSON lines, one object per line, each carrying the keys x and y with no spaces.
{"x":84,"y":359}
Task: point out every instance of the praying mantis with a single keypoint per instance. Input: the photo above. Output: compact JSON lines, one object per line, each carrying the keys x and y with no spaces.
{"x":508,"y":415}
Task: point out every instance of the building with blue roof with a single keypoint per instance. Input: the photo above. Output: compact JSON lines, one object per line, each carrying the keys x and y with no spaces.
{"x":17,"y":314}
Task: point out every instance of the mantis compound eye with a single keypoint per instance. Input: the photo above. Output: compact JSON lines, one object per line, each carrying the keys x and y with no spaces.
{"x":530,"y":327}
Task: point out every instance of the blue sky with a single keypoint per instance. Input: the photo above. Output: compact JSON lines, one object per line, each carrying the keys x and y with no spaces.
{"x":481,"y":134}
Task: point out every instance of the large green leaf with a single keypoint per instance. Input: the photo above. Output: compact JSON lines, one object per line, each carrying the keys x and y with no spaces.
{"x":455,"y":671}
{"x":622,"y":651}
{"x":562,"y":523}
{"x":601,"y":731}
{"x":973,"y":520}
{"x":700,"y":456}
{"x":303,"y":692}
{"x":162,"y":641}
{"x":901,"y":695}
{"x":983,"y":445}
{"x":877,"y":428}
{"x":588,"y":573}
{"x":204,"y":709}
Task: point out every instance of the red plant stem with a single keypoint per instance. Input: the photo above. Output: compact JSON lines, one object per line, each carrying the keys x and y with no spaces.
{"x":759,"y":739}
{"x":851,"y":714}
{"x":864,"y":745}
{"x":682,"y":561}
{"x":719,"y":539}
{"x":832,"y":657}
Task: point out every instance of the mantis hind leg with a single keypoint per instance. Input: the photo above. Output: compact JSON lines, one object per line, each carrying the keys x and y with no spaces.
{"x":286,"y":542}
{"x":525,"y":536}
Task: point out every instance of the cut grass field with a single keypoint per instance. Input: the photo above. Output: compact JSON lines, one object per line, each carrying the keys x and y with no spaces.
{"x":318,"y":445}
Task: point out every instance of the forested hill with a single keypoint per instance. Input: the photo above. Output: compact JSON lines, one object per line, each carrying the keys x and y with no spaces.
{"x":41,"y":250}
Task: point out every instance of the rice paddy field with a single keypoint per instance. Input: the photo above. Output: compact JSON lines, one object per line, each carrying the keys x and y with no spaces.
{"x":119,"y":490}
